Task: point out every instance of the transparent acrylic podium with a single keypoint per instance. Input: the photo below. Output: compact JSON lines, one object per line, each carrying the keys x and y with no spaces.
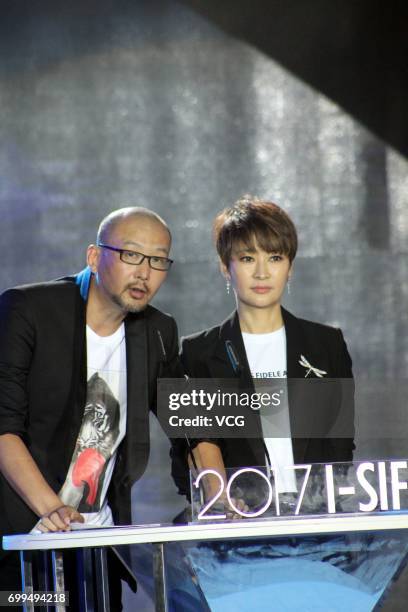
{"x":330,"y":564}
{"x":328,"y":553}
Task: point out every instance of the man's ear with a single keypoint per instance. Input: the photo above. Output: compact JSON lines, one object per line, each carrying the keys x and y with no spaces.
{"x":93,"y":254}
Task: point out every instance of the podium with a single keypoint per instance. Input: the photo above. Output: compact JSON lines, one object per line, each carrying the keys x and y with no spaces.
{"x":342,"y":562}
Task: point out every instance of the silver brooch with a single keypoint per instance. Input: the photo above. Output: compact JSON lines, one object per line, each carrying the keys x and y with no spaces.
{"x":304,"y":362}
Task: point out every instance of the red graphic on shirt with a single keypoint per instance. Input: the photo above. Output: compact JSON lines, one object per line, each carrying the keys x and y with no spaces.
{"x":87,"y":469}
{"x":94,"y":448}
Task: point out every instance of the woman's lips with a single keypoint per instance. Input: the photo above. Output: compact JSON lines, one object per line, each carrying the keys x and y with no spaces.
{"x":261,"y":289}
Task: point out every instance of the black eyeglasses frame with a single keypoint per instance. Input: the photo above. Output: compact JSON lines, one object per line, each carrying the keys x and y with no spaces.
{"x":168,"y":261}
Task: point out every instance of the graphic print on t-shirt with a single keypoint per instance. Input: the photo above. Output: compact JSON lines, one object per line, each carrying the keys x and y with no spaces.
{"x":95,"y":443}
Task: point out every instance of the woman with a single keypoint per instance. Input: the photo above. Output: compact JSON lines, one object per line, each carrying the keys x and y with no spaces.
{"x":257,"y":242}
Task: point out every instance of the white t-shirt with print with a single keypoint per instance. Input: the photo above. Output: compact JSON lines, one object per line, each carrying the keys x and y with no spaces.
{"x":266,"y":354}
{"x":102,"y":430}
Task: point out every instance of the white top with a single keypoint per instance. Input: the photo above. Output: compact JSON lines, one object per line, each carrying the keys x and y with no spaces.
{"x":102,"y":430}
{"x":266,"y":354}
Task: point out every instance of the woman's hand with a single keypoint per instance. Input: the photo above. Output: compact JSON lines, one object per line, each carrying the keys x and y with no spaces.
{"x":222,"y":506}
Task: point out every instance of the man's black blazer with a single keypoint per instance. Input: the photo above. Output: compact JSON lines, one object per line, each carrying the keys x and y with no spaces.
{"x":205,"y":355}
{"x":43,"y":386}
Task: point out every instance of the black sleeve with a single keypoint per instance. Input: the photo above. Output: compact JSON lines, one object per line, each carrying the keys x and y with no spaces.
{"x":17,"y":339}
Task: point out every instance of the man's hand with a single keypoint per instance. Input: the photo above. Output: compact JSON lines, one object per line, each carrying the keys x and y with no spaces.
{"x":59,"y":519}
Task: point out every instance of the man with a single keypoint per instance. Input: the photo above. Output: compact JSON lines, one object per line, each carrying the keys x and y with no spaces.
{"x":79,"y":359}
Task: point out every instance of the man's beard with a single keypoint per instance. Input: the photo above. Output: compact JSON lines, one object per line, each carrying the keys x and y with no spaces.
{"x":125,"y":306}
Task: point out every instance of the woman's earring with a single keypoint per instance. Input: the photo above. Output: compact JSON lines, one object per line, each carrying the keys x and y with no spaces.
{"x":227,"y":286}
{"x":288,"y":286}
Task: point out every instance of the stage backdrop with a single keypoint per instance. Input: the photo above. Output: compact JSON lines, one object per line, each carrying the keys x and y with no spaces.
{"x":108,"y":104}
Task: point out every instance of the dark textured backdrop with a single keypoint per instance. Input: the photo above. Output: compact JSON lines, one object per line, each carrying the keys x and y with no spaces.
{"x":183,"y":107}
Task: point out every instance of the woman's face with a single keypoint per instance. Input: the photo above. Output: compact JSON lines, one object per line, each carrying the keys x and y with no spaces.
{"x":257,"y":277}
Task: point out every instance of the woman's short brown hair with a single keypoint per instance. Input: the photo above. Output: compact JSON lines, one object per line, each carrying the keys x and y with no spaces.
{"x":252,"y":219}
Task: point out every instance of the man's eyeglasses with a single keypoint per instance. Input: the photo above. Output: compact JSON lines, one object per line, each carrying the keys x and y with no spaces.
{"x":135,"y":259}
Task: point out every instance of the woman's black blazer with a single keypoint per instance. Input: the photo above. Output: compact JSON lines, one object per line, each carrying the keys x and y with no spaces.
{"x":205,"y":355}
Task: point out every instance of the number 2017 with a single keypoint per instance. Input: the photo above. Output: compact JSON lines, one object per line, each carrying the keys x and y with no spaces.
{"x":203,"y":515}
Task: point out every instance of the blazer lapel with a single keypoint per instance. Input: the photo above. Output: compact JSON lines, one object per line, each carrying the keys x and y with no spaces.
{"x":136,"y":443}
{"x":230,"y":361}
{"x":75,"y":364}
{"x":229,"y":354}
{"x":295,"y":347}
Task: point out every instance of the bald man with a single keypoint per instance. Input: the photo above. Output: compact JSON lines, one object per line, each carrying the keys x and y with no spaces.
{"x":79,"y":359}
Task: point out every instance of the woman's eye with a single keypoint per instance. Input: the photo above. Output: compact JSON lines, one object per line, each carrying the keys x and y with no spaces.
{"x":276,"y":257}
{"x":246,"y":258}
